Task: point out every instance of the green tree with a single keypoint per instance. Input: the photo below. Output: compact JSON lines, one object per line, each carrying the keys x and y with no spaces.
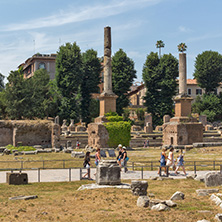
{"x":2,"y":85}
{"x":159,"y":76}
{"x":90,"y":81}
{"x":160,"y":44}
{"x":208,"y":70}
{"x":69,"y":80}
{"x":209,"y":105}
{"x":15,"y":98}
{"x":123,"y":74}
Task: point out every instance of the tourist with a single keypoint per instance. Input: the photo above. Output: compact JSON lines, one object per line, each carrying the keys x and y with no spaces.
{"x":163,"y":158}
{"x":124,"y":159}
{"x":86,"y":164}
{"x":170,"y":159}
{"x":146,"y":143}
{"x":180,"y":163}
{"x":97,"y":156}
{"x":77,"y":144}
{"x":119,"y":155}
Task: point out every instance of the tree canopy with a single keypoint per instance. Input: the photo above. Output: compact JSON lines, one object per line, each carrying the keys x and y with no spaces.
{"x":159,"y":76}
{"x":208,"y":70}
{"x":69,"y":80}
{"x":90,"y":81}
{"x":123,"y":74}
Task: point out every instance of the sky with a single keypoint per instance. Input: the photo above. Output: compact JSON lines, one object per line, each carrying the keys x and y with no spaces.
{"x":30,"y":26}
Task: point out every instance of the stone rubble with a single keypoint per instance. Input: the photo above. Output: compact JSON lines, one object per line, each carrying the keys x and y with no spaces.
{"x":139,"y":188}
{"x":213,"y":179}
{"x":177,"y":196}
{"x":143,"y":201}
{"x":160,"y":207}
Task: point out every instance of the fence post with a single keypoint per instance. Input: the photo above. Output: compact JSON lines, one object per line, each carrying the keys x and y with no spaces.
{"x":80,"y":173}
{"x":43,"y":164}
{"x":70,"y":179}
{"x":38,"y":174}
{"x":21,"y":164}
{"x":142,"y":173}
{"x":214,"y":165}
{"x":220,"y":168}
{"x":133,"y":165}
{"x":151,"y":166}
{"x":63,"y":164}
{"x":195,"y":169}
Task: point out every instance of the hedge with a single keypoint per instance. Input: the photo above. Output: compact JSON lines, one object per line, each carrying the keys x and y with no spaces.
{"x":119,"y":133}
{"x":114,"y":118}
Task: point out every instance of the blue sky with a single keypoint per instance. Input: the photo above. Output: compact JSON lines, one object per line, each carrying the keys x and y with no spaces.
{"x":136,"y":26}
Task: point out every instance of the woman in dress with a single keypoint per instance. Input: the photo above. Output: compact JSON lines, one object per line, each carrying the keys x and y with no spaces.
{"x":170,"y":159}
{"x":163,"y":158}
{"x":180,"y":163}
{"x":86,"y":164}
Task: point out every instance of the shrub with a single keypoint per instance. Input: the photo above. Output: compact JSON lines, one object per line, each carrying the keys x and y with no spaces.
{"x":111,"y":114}
{"x":119,"y":132}
{"x":114,"y":118}
{"x":20,"y":148}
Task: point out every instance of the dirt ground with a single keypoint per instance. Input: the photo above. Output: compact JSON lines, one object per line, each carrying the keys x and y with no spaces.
{"x":62,"y":202}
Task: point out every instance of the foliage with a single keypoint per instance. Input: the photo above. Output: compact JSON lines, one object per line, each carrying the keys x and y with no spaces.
{"x":126,"y":114}
{"x":160,"y":44}
{"x":119,"y":132}
{"x":209,"y":105}
{"x":159,"y":76}
{"x":28,"y":98}
{"x":68,"y":80}
{"x":2,"y":85}
{"x":182,"y":47}
{"x":20,"y":148}
{"x":111,"y":114}
{"x":208,"y":70}
{"x":90,"y":81}
{"x":140,"y":113}
{"x":94,"y":108}
{"x":114,"y":118}
{"x":123,"y":74}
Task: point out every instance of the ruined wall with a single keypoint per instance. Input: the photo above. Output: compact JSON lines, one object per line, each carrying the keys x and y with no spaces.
{"x":29,"y":132}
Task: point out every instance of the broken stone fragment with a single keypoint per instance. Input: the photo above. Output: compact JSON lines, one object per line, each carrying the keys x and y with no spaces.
{"x":23,"y":197}
{"x":177,"y":196}
{"x":143,"y":201}
{"x":160,"y":207}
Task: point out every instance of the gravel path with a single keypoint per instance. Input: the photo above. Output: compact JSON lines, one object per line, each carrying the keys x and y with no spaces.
{"x":59,"y":175}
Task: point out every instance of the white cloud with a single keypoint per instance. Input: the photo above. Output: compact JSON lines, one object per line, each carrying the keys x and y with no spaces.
{"x":184,"y":29}
{"x":83,"y":14}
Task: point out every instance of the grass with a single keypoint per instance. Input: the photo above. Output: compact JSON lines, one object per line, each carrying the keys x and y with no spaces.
{"x":62,"y":202}
{"x":138,"y":156}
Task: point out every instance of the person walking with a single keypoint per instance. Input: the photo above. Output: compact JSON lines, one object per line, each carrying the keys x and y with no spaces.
{"x":86,"y":164}
{"x":170,"y":159}
{"x":124,"y":159}
{"x":97,"y":156}
{"x":180,"y":163}
{"x":163,"y":158}
{"x":119,"y":155}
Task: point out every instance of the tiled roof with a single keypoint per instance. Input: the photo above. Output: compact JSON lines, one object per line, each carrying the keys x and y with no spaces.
{"x":191,"y":81}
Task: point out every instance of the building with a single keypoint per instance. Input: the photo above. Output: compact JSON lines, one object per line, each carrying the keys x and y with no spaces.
{"x":139,"y":91}
{"x":39,"y":61}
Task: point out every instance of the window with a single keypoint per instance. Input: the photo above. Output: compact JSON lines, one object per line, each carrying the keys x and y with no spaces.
{"x":42,"y":65}
{"x":198,"y":91}
{"x":189,"y":91}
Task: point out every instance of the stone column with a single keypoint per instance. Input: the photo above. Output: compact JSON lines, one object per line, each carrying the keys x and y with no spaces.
{"x":107,"y":62}
{"x":182,"y":74}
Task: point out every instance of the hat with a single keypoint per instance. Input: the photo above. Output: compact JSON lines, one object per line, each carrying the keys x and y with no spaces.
{"x":119,"y":145}
{"x":124,"y":147}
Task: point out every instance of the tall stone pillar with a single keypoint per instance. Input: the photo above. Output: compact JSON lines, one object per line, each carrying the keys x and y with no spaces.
{"x":182,"y":74}
{"x":107,"y":97}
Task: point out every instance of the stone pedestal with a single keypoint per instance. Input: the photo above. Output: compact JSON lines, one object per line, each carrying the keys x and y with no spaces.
{"x":166,"y":118}
{"x":16,"y":178}
{"x":183,"y":106}
{"x":139,"y":188}
{"x":148,"y":119}
{"x":108,"y":173}
{"x":148,"y":128}
{"x":107,"y":103}
{"x":203,"y":119}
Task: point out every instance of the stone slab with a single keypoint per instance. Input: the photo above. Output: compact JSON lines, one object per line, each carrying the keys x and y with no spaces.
{"x":23,"y":197}
{"x":111,"y":153}
{"x":103,"y":153}
{"x":97,"y":186}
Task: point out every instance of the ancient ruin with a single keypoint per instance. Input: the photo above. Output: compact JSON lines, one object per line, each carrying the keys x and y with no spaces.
{"x":182,"y":129}
{"x":98,"y":135}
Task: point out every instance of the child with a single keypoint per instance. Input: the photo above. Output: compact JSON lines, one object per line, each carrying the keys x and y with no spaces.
{"x":180,"y":163}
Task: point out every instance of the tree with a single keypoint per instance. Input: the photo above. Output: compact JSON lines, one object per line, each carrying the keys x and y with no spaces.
{"x":69,"y":80}
{"x":15,"y":95}
{"x":90,"y":81}
{"x":182,"y":47}
{"x":208,"y":70}
{"x":123,"y":74}
{"x":2,"y":85}
{"x":159,"y":76}
{"x":209,"y":105}
{"x":160,"y":44}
